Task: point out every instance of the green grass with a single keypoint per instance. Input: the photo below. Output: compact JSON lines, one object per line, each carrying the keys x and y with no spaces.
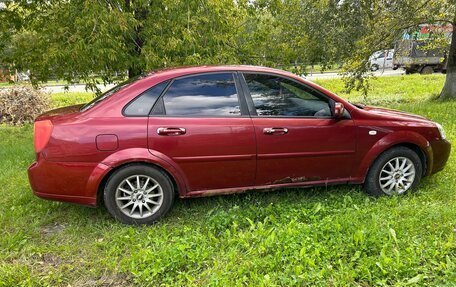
{"x":66,"y":98}
{"x":391,"y":90}
{"x":326,"y":236}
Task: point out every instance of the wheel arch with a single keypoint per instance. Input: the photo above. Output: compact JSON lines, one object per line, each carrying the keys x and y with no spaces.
{"x":420,"y":152}
{"x":144,"y":156}
{"x":106,"y":176}
{"x":412,"y":140}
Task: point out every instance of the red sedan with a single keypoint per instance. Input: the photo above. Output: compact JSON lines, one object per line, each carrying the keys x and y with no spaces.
{"x":208,"y":130}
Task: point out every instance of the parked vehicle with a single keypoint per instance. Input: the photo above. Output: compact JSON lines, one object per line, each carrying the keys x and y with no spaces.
{"x":209,"y":130}
{"x":413,"y":56}
{"x":382,"y":60}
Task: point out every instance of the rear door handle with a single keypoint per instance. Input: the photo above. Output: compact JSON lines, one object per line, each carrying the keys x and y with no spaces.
{"x":171,"y":131}
{"x":275,"y":131}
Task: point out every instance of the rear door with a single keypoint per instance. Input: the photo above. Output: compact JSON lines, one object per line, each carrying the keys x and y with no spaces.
{"x":201,"y":123}
{"x":298,"y":140}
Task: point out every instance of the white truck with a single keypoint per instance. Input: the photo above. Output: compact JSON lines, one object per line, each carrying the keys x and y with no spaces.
{"x":415,"y":56}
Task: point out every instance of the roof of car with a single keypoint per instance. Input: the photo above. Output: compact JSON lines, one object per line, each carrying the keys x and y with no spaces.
{"x":145,"y":81}
{"x":215,"y":68}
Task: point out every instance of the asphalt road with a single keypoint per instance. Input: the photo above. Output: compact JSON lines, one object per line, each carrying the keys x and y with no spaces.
{"x":379,"y":73}
{"x":73,"y":88}
{"x":314,"y":76}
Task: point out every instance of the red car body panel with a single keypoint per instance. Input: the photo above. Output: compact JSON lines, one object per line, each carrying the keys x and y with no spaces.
{"x":215,"y":153}
{"x":312,"y":150}
{"x":221,"y":155}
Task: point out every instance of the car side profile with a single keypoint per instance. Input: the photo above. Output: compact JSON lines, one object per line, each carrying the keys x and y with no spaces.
{"x":199,"y":131}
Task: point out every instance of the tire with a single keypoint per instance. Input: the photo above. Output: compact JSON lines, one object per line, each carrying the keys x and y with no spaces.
{"x":427,"y":70}
{"x":385,"y":178}
{"x":374,"y":67}
{"x":145,"y":193}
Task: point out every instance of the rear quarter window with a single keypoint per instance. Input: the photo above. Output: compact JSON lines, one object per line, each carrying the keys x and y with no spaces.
{"x":142,"y":105}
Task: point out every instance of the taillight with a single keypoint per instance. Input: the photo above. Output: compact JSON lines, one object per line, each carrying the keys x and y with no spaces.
{"x":42,"y":132}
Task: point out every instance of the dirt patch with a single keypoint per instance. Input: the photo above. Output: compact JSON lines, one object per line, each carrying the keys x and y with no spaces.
{"x":115,"y":280}
{"x":50,"y":260}
{"x":52,"y":229}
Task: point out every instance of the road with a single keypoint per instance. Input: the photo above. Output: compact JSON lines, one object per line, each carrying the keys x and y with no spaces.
{"x":379,"y":73}
{"x":314,"y":76}
{"x":73,"y":88}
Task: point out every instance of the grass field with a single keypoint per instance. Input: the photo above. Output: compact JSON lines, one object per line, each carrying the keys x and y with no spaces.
{"x":325,"y":236}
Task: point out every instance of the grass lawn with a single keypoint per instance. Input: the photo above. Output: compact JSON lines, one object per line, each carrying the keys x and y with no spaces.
{"x":325,"y":236}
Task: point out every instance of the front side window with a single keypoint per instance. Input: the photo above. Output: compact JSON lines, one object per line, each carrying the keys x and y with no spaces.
{"x":202,"y":95}
{"x":276,"y":96}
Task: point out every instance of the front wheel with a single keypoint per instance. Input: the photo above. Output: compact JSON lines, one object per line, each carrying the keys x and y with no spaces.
{"x":395,"y":171}
{"x":138,"y":194}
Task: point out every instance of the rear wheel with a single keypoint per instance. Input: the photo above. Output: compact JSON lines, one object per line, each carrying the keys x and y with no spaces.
{"x":375,"y":67}
{"x":395,"y":171}
{"x":138,"y":194}
{"x":427,"y":70}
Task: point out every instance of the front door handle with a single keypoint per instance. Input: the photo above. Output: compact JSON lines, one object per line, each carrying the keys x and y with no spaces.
{"x":171,"y":131}
{"x":275,"y":131}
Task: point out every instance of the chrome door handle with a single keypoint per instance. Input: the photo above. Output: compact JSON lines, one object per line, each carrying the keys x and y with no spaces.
{"x":275,"y":131}
{"x":171,"y":131}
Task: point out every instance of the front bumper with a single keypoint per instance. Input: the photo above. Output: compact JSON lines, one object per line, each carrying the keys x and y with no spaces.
{"x":75,"y":182}
{"x":440,"y":153}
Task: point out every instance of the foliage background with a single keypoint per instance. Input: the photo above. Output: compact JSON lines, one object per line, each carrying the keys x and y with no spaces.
{"x":85,"y":40}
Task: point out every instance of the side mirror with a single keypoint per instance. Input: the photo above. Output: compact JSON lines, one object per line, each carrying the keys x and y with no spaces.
{"x":338,"y":111}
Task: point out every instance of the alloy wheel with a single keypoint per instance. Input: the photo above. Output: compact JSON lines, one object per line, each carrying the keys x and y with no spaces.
{"x":139,"y":196}
{"x":397,"y":175}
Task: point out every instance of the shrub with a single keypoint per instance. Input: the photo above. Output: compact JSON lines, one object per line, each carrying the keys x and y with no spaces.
{"x":20,"y":105}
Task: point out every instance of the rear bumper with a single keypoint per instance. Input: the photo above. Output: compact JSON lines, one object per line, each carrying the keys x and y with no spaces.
{"x":66,"y":181}
{"x":440,"y":152}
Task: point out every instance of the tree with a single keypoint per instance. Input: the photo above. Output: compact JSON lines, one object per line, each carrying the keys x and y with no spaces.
{"x":351,"y":30}
{"x":84,"y":40}
{"x":81,"y":39}
{"x":449,"y":89}
{"x":388,"y":20}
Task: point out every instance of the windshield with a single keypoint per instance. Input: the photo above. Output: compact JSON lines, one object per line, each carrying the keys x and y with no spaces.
{"x":109,"y":93}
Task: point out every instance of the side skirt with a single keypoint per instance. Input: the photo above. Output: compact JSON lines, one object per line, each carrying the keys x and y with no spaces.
{"x":224,"y":191}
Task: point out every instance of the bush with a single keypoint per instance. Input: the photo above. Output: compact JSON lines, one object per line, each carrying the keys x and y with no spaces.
{"x":20,"y":105}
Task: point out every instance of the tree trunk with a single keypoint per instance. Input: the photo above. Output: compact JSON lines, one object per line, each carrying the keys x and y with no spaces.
{"x":136,"y":42}
{"x":449,"y":89}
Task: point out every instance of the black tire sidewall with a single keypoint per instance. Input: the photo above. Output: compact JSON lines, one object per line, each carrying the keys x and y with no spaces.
{"x":427,"y":70}
{"x":116,"y":178}
{"x":371,"y":183}
{"x":375,"y":67}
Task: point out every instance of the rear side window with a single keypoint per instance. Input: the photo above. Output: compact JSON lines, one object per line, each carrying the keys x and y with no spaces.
{"x":202,"y":95}
{"x":142,"y":105}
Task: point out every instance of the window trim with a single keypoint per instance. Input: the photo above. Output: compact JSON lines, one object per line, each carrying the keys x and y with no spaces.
{"x":318,"y":94}
{"x":138,"y":96}
{"x":239,"y":92}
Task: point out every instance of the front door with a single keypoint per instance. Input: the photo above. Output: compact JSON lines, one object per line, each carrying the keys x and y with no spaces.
{"x":200,"y":124}
{"x":298,"y":140}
